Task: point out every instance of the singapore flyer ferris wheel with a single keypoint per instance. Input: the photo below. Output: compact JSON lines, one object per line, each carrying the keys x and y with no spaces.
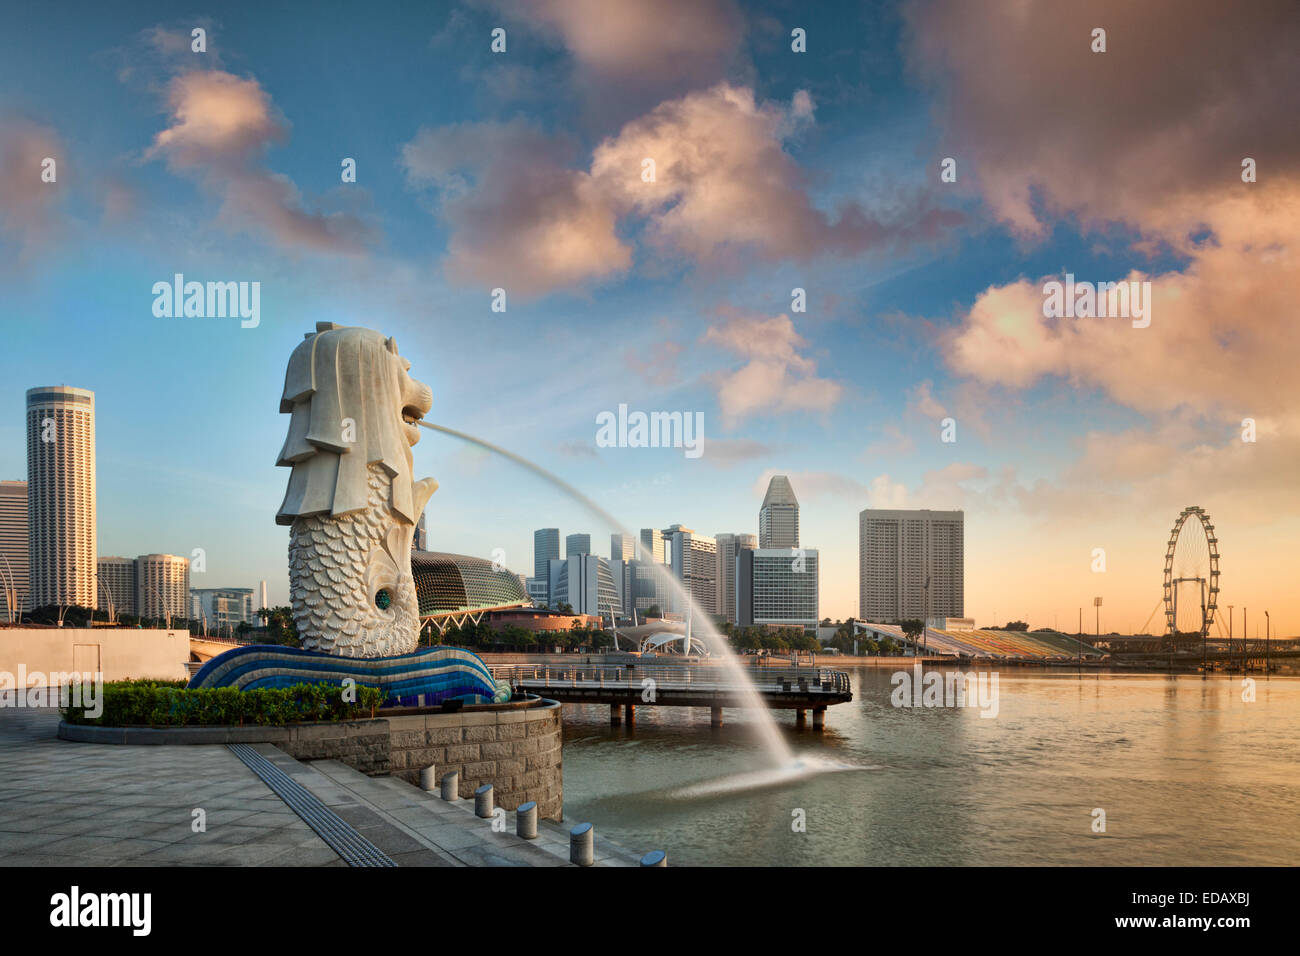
{"x":1191,"y":575}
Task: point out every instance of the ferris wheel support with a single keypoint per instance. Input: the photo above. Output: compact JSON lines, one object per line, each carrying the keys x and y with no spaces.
{"x":1209,"y":582}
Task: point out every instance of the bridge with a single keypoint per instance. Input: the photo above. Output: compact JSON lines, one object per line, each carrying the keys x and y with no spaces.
{"x":624,"y":686}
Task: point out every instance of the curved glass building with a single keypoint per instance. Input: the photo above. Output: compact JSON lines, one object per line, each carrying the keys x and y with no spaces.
{"x":447,"y":584}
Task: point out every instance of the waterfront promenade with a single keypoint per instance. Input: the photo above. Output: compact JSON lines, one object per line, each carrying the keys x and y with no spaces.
{"x":64,"y":803}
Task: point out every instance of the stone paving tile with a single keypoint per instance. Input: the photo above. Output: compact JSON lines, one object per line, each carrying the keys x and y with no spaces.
{"x":67,"y":803}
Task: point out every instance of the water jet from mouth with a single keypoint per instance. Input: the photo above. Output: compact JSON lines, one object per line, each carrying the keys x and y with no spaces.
{"x":778,"y":751}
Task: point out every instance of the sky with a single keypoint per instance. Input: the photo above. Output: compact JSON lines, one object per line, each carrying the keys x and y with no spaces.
{"x":775,"y":169}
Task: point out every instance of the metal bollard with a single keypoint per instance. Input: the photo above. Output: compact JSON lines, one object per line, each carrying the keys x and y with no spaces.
{"x":582,"y":844}
{"x":655,"y":858}
{"x":483,"y":801}
{"x":428,"y":777}
{"x":451,"y":785}
{"x":526,"y":820}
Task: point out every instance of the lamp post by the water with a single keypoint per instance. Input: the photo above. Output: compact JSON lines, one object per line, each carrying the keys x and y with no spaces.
{"x":1244,"y":646}
{"x":1268,"y":632}
{"x":1096,"y":603}
{"x":925,"y":625}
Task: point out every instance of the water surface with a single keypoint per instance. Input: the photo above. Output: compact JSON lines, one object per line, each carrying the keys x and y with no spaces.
{"x":1185,"y":770}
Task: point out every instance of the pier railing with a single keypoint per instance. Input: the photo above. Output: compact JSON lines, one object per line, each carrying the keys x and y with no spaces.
{"x":774,"y":680}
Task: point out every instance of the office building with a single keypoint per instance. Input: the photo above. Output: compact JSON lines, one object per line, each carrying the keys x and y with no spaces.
{"x":117,"y":586}
{"x":162,"y":586}
{"x":61,"y":496}
{"x":14,"y":586}
{"x":224,"y":609}
{"x":776,"y":588}
{"x":538,"y":591}
{"x":622,"y":547}
{"x":778,"y":517}
{"x":585,"y":582}
{"x":546,"y":547}
{"x":897,"y":550}
{"x":695,"y":565}
{"x":729,"y":545}
{"x":652,"y":546}
{"x":420,"y":539}
{"x":577,"y":544}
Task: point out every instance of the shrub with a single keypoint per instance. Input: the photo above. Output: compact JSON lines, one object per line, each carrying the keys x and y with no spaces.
{"x":165,"y":704}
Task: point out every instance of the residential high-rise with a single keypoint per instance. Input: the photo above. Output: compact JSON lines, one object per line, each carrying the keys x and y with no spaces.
{"x":546,"y":547}
{"x":162,"y":586}
{"x":577,"y":544}
{"x":896,"y":551}
{"x":420,"y":539}
{"x":263,"y":604}
{"x":61,"y":495}
{"x":118,"y":585}
{"x":622,"y":547}
{"x":776,"y":587}
{"x":778,"y":517}
{"x":729,"y":545}
{"x":13,"y":550}
{"x":695,"y":565}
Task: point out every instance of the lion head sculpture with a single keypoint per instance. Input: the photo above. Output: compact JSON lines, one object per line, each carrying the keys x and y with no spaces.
{"x":352,"y":499}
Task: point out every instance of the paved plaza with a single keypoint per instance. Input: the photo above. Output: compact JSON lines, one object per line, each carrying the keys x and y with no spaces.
{"x":78,"y":804}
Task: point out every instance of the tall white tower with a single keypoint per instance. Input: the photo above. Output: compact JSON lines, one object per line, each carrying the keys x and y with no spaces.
{"x":61,"y":495}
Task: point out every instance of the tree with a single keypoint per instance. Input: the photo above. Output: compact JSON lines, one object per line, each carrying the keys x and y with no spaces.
{"x":280,"y":626}
{"x":1015,"y":626}
{"x":653,"y":611}
{"x":912,"y":628}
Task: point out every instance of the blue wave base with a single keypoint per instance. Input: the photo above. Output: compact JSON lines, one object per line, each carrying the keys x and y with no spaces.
{"x":424,"y":678}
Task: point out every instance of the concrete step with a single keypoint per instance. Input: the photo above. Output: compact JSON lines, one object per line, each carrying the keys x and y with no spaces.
{"x":416,"y":828}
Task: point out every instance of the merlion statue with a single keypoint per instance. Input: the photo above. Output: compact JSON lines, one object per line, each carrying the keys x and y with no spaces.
{"x":352,"y":501}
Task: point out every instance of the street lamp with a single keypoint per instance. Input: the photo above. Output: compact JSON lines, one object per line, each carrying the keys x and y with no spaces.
{"x":1268,"y":626}
{"x":112,"y":611}
{"x":167,"y":614}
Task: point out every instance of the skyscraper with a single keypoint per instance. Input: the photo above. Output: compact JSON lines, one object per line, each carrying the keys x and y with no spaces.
{"x":652,"y":546}
{"x":575,"y":544}
{"x":728,"y":547}
{"x":896,"y":552}
{"x":778,"y":517}
{"x":777,"y":588}
{"x":162,"y":586}
{"x":546,"y":547}
{"x":695,"y":565}
{"x":61,"y":495}
{"x":118,"y":586}
{"x":13,"y":549}
{"x":622,"y":547}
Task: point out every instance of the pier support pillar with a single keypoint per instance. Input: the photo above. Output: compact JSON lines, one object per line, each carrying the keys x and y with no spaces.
{"x":819,"y":718}
{"x":715,"y":716}
{"x":629,"y":714}
{"x":800,"y":717}
{"x":615,"y":714}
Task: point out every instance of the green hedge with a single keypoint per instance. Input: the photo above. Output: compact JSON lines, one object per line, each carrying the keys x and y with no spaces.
{"x":170,"y":704}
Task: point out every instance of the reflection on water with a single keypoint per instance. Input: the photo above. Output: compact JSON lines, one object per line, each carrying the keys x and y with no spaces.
{"x":1186,"y":772}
